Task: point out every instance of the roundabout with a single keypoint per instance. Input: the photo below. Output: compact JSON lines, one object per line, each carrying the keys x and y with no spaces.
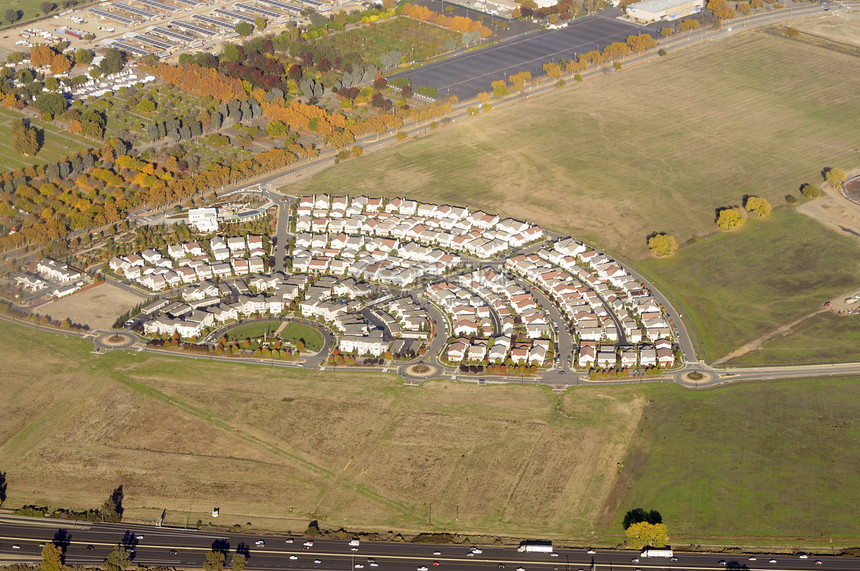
{"x":420,"y":371}
{"x":115,"y":340}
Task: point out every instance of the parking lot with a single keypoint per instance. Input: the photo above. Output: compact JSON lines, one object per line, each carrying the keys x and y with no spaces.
{"x":468,"y":74}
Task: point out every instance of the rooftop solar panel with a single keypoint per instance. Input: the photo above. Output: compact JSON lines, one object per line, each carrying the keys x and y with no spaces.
{"x":189,"y":2}
{"x":282,"y":5}
{"x":157,"y":5}
{"x":234,"y":15}
{"x":160,"y":44}
{"x":258,"y":10}
{"x":174,"y":35}
{"x":188,"y":27}
{"x":111,"y":16}
{"x":124,"y":46}
{"x":214,"y":21}
{"x":136,"y":11}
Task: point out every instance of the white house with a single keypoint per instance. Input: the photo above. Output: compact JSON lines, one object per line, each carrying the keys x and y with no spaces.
{"x":203,"y":219}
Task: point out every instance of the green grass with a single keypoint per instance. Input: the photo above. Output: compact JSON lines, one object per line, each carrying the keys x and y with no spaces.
{"x":58,"y":143}
{"x":825,"y":338}
{"x":752,"y":462}
{"x":292,"y":333}
{"x":736,"y":286}
{"x":415,"y":40}
{"x":762,"y":464}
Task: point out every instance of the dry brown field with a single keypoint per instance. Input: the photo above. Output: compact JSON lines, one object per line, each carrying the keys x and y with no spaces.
{"x":840,"y":26}
{"x":277,"y":448}
{"x":97,"y":306}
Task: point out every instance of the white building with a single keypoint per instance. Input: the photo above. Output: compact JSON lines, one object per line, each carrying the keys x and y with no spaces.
{"x":656,"y":10}
{"x":204,"y":219}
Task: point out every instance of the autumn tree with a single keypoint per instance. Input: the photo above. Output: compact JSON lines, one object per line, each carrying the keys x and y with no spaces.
{"x":238,"y":562}
{"x":244,"y":29}
{"x":728,"y":218}
{"x":662,"y":244}
{"x":758,"y":206}
{"x":25,"y":139}
{"x":60,"y":64}
{"x":500,"y":88}
{"x":721,"y":9}
{"x":552,"y":70}
{"x":834,"y":177}
{"x":518,"y":80}
{"x":260,"y":23}
{"x":809,"y":191}
{"x":52,"y":557}
{"x":214,"y":561}
{"x":644,"y":534}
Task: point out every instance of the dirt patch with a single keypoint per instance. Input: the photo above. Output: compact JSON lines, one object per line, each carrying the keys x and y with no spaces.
{"x":842,"y":27}
{"x":97,"y":307}
{"x":835,"y":211}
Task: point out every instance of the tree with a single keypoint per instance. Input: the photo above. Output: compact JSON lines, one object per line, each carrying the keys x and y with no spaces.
{"x":728,"y":218}
{"x":2,"y":487}
{"x":47,"y":7}
{"x":637,"y":515}
{"x":60,"y":64}
{"x":644,"y":534}
{"x":25,"y":139}
{"x":500,"y":88}
{"x":758,"y":206}
{"x":244,"y":29}
{"x":721,"y":9}
{"x":52,"y":557}
{"x":51,"y":103}
{"x":662,"y":244}
{"x":146,"y":105}
{"x":834,"y":177}
{"x":809,"y":191}
{"x":238,"y":562}
{"x":118,"y":559}
{"x":260,"y":23}
{"x":553,"y":70}
{"x":12,"y":15}
{"x":214,"y":561}
{"x":113,"y":62}
{"x":112,"y":508}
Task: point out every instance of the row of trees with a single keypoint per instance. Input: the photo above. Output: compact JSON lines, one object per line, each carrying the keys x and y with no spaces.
{"x":732,"y":216}
{"x":456,"y":23}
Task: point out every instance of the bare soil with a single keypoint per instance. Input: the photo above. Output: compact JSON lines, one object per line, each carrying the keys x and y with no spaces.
{"x":97,"y":306}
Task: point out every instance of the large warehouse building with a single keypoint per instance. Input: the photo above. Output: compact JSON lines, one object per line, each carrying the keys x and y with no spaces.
{"x":656,"y":10}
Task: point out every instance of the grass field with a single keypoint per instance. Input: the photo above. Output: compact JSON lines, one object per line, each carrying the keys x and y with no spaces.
{"x":415,"y":40}
{"x":804,"y":345}
{"x":57,"y":143}
{"x":748,"y":462}
{"x":312,"y":338}
{"x":277,"y":448}
{"x":736,"y":286}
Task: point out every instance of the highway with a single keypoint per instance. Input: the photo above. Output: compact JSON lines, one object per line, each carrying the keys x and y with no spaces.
{"x":187,"y":548}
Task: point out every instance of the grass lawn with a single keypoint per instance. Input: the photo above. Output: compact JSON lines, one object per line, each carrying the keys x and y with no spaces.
{"x":413,"y":39}
{"x":757,"y":461}
{"x":57,"y":143}
{"x":509,"y":460}
{"x":312,"y":338}
{"x":825,"y":338}
{"x":736,"y":286}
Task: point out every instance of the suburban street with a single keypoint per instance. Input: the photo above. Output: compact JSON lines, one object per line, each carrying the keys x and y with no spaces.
{"x":153,"y":547}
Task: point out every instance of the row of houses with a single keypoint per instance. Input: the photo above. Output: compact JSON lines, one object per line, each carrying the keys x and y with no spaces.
{"x":660,"y":353}
{"x":498,"y":350}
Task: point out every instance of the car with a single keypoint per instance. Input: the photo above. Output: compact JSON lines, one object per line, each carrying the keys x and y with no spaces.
{"x":818,"y":562}
{"x":374,"y":564}
{"x":437,"y":553}
{"x":422,"y":568}
{"x":371,"y":560}
{"x":470,"y":554}
{"x":308,"y":544}
{"x":477,"y":551}
{"x":173,"y":552}
{"x":41,"y":545}
{"x":435,"y":564}
{"x":591,"y":552}
{"x":317,"y":561}
{"x":501,"y":565}
{"x":521,"y":569}
{"x":673,"y":559}
{"x":139,"y":536}
{"x":722,"y":562}
{"x":635,"y":560}
{"x":772,"y":561}
{"x":553,"y":554}
{"x":260,"y":542}
{"x":752,"y":558}
{"x":89,"y":547}
{"x":16,"y":546}
{"x":293,"y":557}
{"x":803,"y":556}
{"x":359,"y":566}
{"x":289,"y":540}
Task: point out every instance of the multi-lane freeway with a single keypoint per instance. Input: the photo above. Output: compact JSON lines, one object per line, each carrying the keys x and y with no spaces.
{"x":21,"y":539}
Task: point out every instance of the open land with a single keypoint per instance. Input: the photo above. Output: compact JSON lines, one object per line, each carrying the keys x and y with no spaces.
{"x":749,"y":461}
{"x":292,"y":332}
{"x":842,"y":27}
{"x":803,"y":344}
{"x":98,"y":306}
{"x":418,"y":40}
{"x":57,"y":143}
{"x":508,"y":460}
{"x":737,"y":286}
{"x":598,"y":164}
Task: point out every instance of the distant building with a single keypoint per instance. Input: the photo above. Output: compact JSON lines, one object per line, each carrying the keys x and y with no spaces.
{"x":204,"y":219}
{"x":656,"y":10}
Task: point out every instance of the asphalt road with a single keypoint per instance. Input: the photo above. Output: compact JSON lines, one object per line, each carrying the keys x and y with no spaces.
{"x":154,"y":549}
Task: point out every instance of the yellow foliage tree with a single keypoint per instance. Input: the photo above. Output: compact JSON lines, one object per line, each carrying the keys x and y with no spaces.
{"x":729,"y":218}
{"x":758,"y":206}
{"x":644,"y":534}
{"x":663,"y":244}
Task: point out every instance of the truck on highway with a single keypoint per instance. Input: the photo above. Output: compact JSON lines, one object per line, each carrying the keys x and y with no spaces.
{"x":535,"y":547}
{"x":355,"y":542}
{"x":667,"y":553}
